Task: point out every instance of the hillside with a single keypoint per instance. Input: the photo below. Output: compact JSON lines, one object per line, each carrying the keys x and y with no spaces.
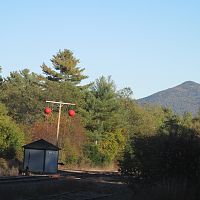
{"x":182,"y":98}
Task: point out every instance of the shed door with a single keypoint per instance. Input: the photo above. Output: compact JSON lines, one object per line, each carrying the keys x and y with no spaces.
{"x":34,"y":159}
{"x":51,"y":161}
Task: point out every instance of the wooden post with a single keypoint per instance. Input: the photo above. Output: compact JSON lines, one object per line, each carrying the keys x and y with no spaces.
{"x":59,"y":115}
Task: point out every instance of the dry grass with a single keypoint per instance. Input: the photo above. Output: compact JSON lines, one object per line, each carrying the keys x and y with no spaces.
{"x":87,"y":167}
{"x":6,"y":170}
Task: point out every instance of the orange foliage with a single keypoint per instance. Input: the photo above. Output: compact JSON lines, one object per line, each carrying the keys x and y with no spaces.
{"x":71,"y":130}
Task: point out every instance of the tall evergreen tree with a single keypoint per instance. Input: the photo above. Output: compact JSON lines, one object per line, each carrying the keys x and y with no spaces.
{"x":103,"y":122}
{"x":102,"y":106}
{"x":64,"y":68}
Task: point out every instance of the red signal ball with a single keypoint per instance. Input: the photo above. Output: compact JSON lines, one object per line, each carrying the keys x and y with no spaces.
{"x":47,"y":110}
{"x":71,"y":113}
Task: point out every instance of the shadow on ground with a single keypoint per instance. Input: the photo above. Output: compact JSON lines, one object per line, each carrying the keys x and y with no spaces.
{"x":70,"y":185}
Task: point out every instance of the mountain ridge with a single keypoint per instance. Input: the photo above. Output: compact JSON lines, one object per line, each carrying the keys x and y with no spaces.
{"x":182,"y":98}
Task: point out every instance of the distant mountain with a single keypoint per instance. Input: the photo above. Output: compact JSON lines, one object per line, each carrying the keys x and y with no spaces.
{"x":182,"y":98}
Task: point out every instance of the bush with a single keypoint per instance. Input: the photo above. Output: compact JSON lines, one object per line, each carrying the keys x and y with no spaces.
{"x":92,"y":152}
{"x":106,"y":150}
{"x":11,"y":137}
{"x":173,"y":152}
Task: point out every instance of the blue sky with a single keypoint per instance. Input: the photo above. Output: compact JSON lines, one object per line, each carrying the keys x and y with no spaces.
{"x":148,"y":45}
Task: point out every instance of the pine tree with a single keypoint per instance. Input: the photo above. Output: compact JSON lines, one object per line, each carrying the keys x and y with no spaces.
{"x":102,"y":106}
{"x":65,"y":68}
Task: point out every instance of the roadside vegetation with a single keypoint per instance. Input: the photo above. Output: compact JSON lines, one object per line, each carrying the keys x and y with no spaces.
{"x":158,"y":150}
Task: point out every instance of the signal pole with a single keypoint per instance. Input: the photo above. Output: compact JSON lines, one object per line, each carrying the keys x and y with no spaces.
{"x":60,"y":103}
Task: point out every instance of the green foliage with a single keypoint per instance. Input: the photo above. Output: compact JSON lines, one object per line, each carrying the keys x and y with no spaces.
{"x":101,"y":106}
{"x":30,"y":92}
{"x":11,"y":136}
{"x":111,"y":145}
{"x":139,"y":120}
{"x":103,"y":121}
{"x":3,"y":110}
{"x":25,"y":96}
{"x":109,"y":117}
{"x":174,"y":151}
{"x":106,"y":148}
{"x":69,"y":155}
{"x":22,"y":93}
{"x":92,"y":152}
{"x":125,"y":93}
{"x":64,"y":68}
{"x":64,"y":91}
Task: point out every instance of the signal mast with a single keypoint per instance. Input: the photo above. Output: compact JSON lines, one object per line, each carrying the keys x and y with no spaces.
{"x":48,"y":111}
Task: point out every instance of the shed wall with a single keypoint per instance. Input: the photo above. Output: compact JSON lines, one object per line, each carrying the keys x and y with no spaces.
{"x":34,"y":159}
{"x":51,"y":161}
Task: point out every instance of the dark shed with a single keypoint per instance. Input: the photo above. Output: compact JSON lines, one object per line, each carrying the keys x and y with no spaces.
{"x":41,"y":156}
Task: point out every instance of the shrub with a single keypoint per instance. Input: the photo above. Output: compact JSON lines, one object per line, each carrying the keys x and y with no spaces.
{"x":105,"y":150}
{"x":11,"y":137}
{"x":173,"y":152}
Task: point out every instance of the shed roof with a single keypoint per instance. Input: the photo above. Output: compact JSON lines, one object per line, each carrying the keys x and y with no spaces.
{"x":41,"y":145}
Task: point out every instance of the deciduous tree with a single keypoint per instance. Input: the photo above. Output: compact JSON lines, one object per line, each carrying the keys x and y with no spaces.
{"x":11,"y":136}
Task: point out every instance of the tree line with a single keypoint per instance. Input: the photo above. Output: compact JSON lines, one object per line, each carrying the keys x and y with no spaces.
{"x":109,"y":127}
